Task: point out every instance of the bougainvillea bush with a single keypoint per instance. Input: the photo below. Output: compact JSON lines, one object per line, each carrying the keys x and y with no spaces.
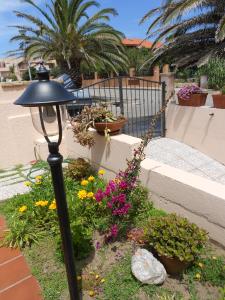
{"x":186,"y":91}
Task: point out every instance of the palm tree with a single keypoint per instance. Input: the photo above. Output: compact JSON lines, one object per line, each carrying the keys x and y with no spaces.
{"x":66,"y":33}
{"x":192,"y":31}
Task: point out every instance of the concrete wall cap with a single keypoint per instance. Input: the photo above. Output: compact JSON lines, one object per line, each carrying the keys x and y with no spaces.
{"x":195,"y":181}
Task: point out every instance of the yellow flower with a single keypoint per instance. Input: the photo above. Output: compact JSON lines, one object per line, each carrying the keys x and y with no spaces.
{"x":91,"y":293}
{"x":97,"y":276}
{"x":198,"y":276}
{"x":84,"y":182}
{"x":214,"y":257}
{"x":79,"y":278}
{"x":200,"y":265}
{"x":101,"y":172}
{"x":117,"y":180}
{"x":91,"y":178}
{"x":41,"y":203}
{"x":38,"y":179}
{"x":52,"y":206}
{"x":103,"y":280}
{"x":90,"y":195}
{"x":27,"y":183}
{"x":23,"y":208}
{"x":82,"y":194}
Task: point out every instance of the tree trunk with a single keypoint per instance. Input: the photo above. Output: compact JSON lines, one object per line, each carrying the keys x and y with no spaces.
{"x":74,"y":71}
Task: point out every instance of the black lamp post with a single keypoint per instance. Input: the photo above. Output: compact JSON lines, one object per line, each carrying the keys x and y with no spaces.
{"x":46,"y":100}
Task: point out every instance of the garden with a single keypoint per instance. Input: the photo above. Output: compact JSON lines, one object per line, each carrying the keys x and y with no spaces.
{"x":110,"y":222}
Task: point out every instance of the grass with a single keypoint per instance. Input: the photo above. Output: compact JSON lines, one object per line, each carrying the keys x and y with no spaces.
{"x":121,"y":285}
{"x":48,"y":270}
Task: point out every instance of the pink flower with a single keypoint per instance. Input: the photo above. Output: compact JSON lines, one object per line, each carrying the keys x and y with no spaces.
{"x":186,"y":91}
{"x":114,"y":230}
{"x":123,"y":185}
{"x":99,"y":195}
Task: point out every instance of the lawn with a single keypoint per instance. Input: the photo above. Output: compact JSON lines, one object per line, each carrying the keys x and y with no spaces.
{"x":109,"y":220}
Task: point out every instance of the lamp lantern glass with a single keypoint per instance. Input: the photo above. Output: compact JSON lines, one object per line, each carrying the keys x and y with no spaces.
{"x":45,"y":119}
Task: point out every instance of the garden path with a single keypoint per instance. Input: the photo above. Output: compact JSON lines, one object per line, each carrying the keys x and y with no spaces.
{"x":16,"y":281}
{"x":184,"y":157}
{"x":12,"y":181}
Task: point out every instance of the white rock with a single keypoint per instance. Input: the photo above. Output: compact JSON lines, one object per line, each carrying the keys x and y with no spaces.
{"x":146,"y":268}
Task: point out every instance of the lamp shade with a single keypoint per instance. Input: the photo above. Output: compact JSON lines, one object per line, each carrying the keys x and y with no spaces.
{"x":44,"y":92}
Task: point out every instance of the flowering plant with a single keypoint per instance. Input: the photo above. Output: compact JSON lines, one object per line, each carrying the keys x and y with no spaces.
{"x":186,"y":91}
{"x":87,"y":119}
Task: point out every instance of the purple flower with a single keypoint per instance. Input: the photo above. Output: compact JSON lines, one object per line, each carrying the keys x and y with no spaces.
{"x":112,"y":185}
{"x":98,"y":246}
{"x":99,"y":195}
{"x":186,"y":91}
{"x":122,"y":185}
{"x":114,"y":230}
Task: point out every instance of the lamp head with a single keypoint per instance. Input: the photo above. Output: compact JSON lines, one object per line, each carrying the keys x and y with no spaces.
{"x":44,"y":92}
{"x":46,"y":100}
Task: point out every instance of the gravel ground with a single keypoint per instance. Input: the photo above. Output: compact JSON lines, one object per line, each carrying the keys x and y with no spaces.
{"x":186,"y":158}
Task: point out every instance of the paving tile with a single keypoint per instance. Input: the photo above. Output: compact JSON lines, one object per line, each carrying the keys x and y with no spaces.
{"x":25,"y":290}
{"x":2,"y":222}
{"x":7,"y":254}
{"x":13,"y":271}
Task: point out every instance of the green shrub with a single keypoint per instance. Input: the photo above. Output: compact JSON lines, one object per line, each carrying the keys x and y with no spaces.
{"x":223,"y":90}
{"x":79,"y":169}
{"x":173,"y":236}
{"x":215,"y":70}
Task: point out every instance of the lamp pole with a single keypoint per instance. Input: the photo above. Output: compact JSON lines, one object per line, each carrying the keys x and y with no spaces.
{"x":55,"y":162}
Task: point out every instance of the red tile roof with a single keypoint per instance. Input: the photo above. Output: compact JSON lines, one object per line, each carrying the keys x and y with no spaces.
{"x":139,"y":42}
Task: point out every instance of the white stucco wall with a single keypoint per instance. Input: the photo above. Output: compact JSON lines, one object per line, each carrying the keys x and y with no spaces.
{"x":199,"y":199}
{"x":200,"y":127}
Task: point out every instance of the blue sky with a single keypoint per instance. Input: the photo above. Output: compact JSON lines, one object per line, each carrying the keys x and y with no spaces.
{"x":130,"y":12}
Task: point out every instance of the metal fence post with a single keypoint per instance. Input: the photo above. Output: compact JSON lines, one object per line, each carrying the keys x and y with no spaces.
{"x":120,"y":79}
{"x":163,"y":115}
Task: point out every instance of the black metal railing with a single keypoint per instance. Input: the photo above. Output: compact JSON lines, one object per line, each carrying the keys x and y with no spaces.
{"x":136,"y":98}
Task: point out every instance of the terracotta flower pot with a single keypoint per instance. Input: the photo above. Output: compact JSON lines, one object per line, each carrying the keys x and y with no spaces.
{"x":219,"y":101}
{"x":173,"y":266}
{"x":114,"y":127}
{"x":195,"y":100}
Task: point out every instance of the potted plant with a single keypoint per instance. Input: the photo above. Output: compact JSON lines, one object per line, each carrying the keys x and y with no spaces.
{"x":191,"y":95}
{"x":175,"y":240}
{"x":219,"y":100}
{"x":99,"y":118}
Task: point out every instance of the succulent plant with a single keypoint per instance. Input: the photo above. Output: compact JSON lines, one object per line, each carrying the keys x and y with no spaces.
{"x":175,"y":237}
{"x":87,"y":119}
